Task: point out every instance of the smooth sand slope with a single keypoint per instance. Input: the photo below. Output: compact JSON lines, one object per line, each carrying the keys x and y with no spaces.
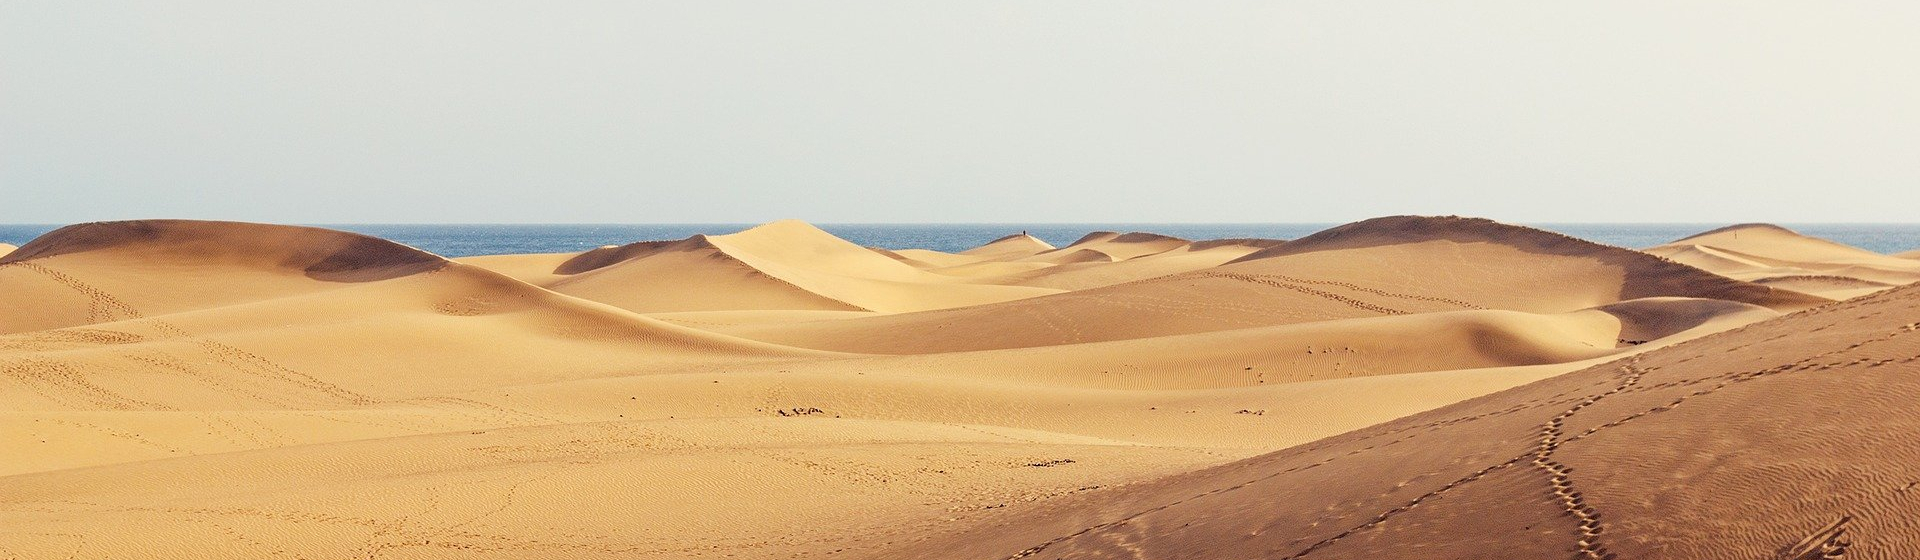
{"x":231,"y":390}
{"x":1785,"y":439}
{"x":1779,"y":257}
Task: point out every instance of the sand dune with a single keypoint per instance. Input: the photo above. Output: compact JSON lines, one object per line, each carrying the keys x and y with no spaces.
{"x":1751,"y":444}
{"x":1187,"y":257}
{"x":1346,"y":348}
{"x":228,"y":390}
{"x":1012,"y":246}
{"x":6,"y":248}
{"x":783,"y":265}
{"x":1779,"y":257}
{"x":1116,"y":246}
{"x":1381,"y":267}
{"x":166,"y":266}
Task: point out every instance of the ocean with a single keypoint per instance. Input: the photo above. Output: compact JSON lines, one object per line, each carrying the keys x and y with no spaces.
{"x":460,"y":240}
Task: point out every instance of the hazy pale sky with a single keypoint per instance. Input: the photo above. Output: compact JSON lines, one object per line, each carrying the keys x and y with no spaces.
{"x":970,"y":111}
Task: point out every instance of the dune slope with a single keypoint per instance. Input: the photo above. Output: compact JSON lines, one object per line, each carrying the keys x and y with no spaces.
{"x":1756,"y":443}
{"x":1775,"y":256}
{"x":1381,"y":267}
{"x":165,"y":266}
{"x":786,"y":265}
{"x":220,"y":390}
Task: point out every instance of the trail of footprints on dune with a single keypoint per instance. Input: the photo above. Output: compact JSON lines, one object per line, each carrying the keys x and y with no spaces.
{"x":1351,"y":301}
{"x":1301,"y":285}
{"x":1559,"y":475}
{"x":240,"y":360}
{"x":1548,"y":401}
{"x":1829,"y":544}
{"x":60,"y":378}
{"x":1561,"y":483}
{"x":1374,"y":291}
{"x":1540,"y":456}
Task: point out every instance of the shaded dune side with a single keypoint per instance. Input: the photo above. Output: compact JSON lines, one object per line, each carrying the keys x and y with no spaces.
{"x":819,"y":262}
{"x":1115,"y":246}
{"x":1014,"y":244}
{"x":1753,"y":443}
{"x":161,"y":272}
{"x":606,"y":256}
{"x":321,"y":254}
{"x":922,"y":259}
{"x":1191,"y":257}
{"x":785,"y":265}
{"x":1645,"y":275}
{"x":1339,"y":349}
{"x":693,"y":274}
{"x":167,"y":266}
{"x":1750,"y":226}
{"x":1255,"y":242}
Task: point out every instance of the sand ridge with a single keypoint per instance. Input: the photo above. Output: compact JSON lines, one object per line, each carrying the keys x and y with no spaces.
{"x":232,"y":390}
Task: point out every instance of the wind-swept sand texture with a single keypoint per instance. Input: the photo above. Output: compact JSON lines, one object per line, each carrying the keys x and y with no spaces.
{"x":232,"y":390}
{"x":1778,"y":257}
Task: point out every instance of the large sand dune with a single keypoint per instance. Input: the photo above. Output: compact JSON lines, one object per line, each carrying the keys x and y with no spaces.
{"x":1779,"y":257}
{"x":785,"y":265}
{"x":1382,"y":267}
{"x":232,"y":390}
{"x":1787,"y":439}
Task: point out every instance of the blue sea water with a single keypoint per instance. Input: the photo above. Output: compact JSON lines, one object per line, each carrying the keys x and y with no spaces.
{"x":459,"y":240}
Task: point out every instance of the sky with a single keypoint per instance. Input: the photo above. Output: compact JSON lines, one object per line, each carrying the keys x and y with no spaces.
{"x":469,"y":111}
